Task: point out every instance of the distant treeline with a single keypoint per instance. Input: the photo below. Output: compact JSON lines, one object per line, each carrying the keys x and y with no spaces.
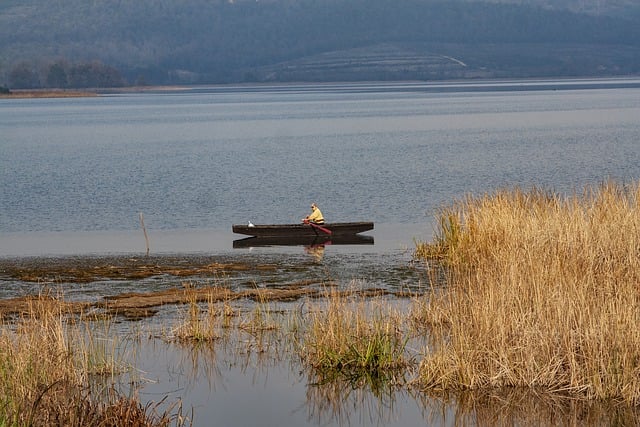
{"x":82,"y":43}
{"x":62,"y":74}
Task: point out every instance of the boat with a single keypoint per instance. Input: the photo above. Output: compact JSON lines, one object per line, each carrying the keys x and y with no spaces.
{"x":299,"y":230}
{"x":310,"y":241}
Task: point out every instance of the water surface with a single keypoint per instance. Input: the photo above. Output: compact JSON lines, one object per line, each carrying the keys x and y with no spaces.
{"x":195,"y":162}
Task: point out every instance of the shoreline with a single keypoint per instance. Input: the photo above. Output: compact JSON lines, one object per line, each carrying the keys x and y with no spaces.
{"x":573,"y":83}
{"x":48,"y":93}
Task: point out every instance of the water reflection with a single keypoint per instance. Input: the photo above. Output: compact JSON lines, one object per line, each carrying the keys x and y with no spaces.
{"x":253,"y":379}
{"x":524,"y":407}
{"x":199,"y":363}
{"x":343,"y":402}
{"x":254,"y":242}
{"x":313,"y":245}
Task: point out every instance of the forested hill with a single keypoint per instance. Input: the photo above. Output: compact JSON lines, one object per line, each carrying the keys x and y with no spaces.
{"x":76,"y":43}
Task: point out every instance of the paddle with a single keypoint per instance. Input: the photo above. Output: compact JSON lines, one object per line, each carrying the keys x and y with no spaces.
{"x":324,"y":230}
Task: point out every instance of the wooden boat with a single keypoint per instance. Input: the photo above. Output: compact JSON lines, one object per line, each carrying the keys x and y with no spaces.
{"x":292,"y":230}
{"x":311,"y":241}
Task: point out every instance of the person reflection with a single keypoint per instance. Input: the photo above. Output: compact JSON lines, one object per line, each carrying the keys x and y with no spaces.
{"x":316,"y":251}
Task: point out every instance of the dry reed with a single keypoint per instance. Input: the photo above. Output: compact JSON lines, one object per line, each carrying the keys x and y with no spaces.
{"x":353,"y":337}
{"x":207,"y":322}
{"x":198,"y":326}
{"x":542,"y":291}
{"x":46,"y":361}
{"x":34,"y":356}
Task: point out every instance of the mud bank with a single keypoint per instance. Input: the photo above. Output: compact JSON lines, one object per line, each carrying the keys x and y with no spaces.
{"x":190,"y":280}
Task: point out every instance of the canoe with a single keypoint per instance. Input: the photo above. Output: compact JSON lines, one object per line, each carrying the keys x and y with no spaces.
{"x":311,"y":241}
{"x":291,"y":230}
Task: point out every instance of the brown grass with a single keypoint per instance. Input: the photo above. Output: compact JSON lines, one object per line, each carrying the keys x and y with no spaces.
{"x":542,"y":291}
{"x":354,"y":337}
{"x":46,"y":362}
{"x":199,"y":326}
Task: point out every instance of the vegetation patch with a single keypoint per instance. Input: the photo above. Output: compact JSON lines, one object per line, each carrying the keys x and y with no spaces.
{"x":353,"y":337}
{"x":46,"y":366}
{"x":542,"y":291}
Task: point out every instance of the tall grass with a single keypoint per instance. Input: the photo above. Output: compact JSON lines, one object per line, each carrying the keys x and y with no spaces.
{"x":206,"y":323}
{"x":198,"y":326}
{"x":353,"y":337}
{"x":34,"y":356}
{"x":46,"y":361}
{"x":542,"y":291}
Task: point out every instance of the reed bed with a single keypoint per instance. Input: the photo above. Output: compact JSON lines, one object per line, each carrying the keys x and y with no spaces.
{"x":206,"y":322}
{"x":258,"y":331}
{"x":542,"y":291}
{"x":33,"y":357}
{"x":353,"y":337}
{"x":198,"y":325}
{"x":46,"y":364}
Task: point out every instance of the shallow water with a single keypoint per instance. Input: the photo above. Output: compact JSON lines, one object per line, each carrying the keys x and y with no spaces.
{"x":76,"y":173}
{"x":254,"y":390}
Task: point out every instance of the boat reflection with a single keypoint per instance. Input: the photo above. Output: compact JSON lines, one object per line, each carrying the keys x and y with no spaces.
{"x":307,"y":241}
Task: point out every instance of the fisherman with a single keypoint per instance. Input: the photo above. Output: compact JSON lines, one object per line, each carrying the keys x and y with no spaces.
{"x":315,"y":216}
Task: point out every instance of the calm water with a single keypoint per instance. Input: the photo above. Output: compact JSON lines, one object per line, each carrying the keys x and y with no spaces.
{"x":195,"y":162}
{"x":76,"y":173}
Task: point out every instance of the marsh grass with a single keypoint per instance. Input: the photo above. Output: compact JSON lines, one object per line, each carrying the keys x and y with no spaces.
{"x":264,"y":317}
{"x":205,"y":323}
{"x":353,"y":337}
{"x":99,"y":349}
{"x":46,"y":361}
{"x":542,"y":291}
{"x":34,"y":356}
{"x":198,"y":325}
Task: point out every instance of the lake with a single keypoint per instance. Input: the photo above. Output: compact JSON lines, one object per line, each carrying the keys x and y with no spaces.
{"x":77,"y":173}
{"x":196,"y":161}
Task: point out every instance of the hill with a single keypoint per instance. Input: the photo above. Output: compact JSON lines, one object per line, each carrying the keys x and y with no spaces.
{"x":80,"y":43}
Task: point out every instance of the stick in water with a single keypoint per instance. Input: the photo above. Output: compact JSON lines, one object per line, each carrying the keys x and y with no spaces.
{"x":146,"y":238}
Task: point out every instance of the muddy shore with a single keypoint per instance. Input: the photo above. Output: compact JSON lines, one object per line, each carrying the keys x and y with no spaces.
{"x":193,"y":279}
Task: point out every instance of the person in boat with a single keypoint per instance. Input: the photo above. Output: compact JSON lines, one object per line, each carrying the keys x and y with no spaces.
{"x":315,"y":216}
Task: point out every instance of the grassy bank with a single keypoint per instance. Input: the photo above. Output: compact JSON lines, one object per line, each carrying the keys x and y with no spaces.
{"x":542,"y":291}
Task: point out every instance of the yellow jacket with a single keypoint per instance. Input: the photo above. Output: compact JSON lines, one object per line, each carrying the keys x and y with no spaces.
{"x":316,"y":216}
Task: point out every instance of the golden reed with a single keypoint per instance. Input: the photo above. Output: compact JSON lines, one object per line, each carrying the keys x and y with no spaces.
{"x":542,"y":291}
{"x":47,"y":359}
{"x":355,"y":337}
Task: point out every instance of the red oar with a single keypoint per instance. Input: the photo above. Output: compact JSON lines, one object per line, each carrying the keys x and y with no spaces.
{"x":324,"y":230}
